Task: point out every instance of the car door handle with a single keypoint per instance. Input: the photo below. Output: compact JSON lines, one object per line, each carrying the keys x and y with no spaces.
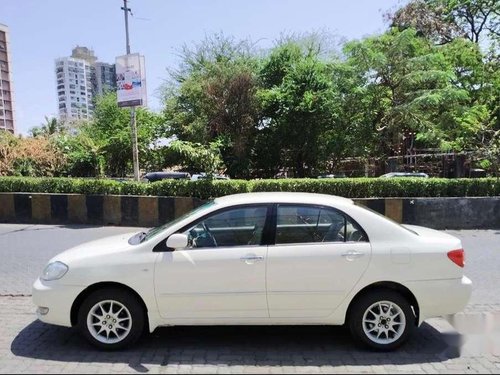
{"x":353,"y":254}
{"x":252,"y":258}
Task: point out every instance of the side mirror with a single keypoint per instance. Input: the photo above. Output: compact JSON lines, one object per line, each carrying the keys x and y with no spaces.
{"x":177,"y":241}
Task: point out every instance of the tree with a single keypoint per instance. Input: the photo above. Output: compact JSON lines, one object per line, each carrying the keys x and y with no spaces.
{"x":421,"y":88}
{"x":84,"y":152}
{"x":444,"y":20}
{"x":212,"y":97}
{"x":34,"y":157}
{"x":110,"y":132}
{"x":50,"y":127}
{"x":298,"y":105}
{"x":430,"y":22}
{"x":198,"y":157}
{"x":474,"y":17}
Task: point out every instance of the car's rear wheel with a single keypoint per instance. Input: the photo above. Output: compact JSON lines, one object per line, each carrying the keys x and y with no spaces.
{"x":111,"y":318}
{"x":382,"y":320}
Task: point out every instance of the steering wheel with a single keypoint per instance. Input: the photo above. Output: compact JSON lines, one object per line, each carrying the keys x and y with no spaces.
{"x":209,"y":234}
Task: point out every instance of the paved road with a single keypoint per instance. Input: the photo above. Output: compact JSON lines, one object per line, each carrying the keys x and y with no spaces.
{"x":27,"y":345}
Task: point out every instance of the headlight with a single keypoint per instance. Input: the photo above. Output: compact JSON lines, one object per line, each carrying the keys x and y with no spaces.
{"x":54,"y":271}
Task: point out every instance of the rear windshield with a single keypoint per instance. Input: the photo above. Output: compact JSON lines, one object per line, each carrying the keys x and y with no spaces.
{"x":387,"y":218}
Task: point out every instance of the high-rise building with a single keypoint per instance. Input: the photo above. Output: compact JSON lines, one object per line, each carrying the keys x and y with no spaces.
{"x":79,"y":79}
{"x":74,"y":88}
{"x":105,"y":77}
{"x":84,"y":53}
{"x":6,"y":89}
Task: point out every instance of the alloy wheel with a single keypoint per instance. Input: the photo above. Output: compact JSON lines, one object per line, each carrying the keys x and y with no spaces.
{"x":384,"y":322}
{"x":109,"y":321}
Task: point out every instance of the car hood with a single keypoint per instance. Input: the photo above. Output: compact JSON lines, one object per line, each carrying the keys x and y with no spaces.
{"x":101,"y":247}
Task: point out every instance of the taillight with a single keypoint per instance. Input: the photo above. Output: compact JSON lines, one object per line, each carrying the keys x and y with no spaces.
{"x":457,"y":257}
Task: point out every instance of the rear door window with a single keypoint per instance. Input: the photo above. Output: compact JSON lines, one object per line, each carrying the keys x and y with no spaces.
{"x":306,"y":224}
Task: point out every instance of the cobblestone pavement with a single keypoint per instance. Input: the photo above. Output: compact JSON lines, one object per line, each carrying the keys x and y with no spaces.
{"x":29,"y":346}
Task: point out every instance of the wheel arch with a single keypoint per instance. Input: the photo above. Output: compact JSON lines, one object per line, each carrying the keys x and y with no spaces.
{"x":75,"y":307}
{"x":387,"y":285}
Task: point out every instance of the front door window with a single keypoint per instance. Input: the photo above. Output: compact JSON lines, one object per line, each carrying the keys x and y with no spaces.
{"x":235,"y":227}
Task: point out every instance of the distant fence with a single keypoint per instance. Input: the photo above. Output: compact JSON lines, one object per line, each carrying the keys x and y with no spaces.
{"x":145,"y":211}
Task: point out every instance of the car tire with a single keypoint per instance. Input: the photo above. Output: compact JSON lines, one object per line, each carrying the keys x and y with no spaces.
{"x":381,"y":320}
{"x":111,"y":318}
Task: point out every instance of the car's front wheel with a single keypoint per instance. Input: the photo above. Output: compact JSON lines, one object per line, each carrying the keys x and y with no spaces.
{"x":382,"y":320}
{"x":111,"y":318}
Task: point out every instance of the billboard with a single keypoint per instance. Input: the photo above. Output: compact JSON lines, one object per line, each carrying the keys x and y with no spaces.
{"x":131,"y":80}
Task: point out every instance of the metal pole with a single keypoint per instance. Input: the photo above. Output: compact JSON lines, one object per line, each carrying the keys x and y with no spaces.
{"x":135,"y":150}
{"x":125,"y":10}
{"x":133,"y":120}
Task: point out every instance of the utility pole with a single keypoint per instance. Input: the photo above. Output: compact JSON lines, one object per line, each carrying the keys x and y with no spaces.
{"x":133,"y":122}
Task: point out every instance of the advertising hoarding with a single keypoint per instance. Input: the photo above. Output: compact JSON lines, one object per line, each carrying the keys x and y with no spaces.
{"x":131,"y":80}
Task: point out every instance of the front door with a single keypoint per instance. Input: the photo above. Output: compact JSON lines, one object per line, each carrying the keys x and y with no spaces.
{"x":319,"y":256}
{"x":221,"y":275}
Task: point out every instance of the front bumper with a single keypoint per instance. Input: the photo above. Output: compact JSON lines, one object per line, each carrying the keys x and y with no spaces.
{"x":441,"y":297}
{"x":57,"y":298}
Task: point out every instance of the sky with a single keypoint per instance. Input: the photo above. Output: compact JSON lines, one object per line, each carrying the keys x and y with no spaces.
{"x":41,"y":31}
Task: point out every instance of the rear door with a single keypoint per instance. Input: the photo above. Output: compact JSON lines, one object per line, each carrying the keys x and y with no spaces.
{"x":318,"y":257}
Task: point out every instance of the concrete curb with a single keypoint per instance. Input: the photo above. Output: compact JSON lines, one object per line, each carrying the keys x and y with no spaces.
{"x":146,"y":211}
{"x":37,"y":208}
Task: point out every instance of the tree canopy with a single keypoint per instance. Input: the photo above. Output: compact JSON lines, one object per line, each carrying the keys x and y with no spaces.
{"x":301,"y":107}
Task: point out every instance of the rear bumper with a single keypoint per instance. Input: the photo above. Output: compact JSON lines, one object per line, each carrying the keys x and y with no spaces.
{"x":441,"y":297}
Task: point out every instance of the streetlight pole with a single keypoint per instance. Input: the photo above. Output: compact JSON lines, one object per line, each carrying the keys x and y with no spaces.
{"x":133,"y":122}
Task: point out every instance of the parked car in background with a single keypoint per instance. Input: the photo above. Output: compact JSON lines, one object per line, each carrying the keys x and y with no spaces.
{"x":157,"y":176}
{"x":405,"y":174}
{"x":259,"y":259}
{"x":121,"y":179}
{"x":332,"y":176}
{"x":204,"y":176}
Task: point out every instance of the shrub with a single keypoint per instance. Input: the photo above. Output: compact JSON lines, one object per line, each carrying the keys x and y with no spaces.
{"x":206,"y":189}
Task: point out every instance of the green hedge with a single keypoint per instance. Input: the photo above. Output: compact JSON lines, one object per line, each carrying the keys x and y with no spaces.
{"x":204,"y":189}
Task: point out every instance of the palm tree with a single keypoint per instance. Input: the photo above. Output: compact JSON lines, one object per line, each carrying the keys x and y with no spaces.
{"x":51,"y":126}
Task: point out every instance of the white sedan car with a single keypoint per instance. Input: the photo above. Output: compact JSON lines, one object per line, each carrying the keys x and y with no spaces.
{"x":259,"y":259}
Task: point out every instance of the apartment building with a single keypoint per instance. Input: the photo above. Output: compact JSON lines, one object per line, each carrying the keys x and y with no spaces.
{"x":79,"y":78}
{"x":6,"y":87}
{"x":74,"y":88}
{"x":105,"y":77}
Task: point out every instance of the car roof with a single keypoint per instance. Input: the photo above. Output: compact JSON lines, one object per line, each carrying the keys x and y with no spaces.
{"x":283,"y":197}
{"x":413,"y":174}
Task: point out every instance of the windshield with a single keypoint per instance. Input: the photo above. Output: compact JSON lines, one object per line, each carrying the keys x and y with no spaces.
{"x":145,"y":236}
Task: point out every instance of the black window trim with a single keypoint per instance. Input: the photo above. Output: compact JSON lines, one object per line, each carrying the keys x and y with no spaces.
{"x":270,"y":226}
{"x":319,"y":206}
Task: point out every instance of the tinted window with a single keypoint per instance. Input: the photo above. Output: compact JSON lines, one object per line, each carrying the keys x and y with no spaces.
{"x":303,"y":224}
{"x":236,"y":227}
